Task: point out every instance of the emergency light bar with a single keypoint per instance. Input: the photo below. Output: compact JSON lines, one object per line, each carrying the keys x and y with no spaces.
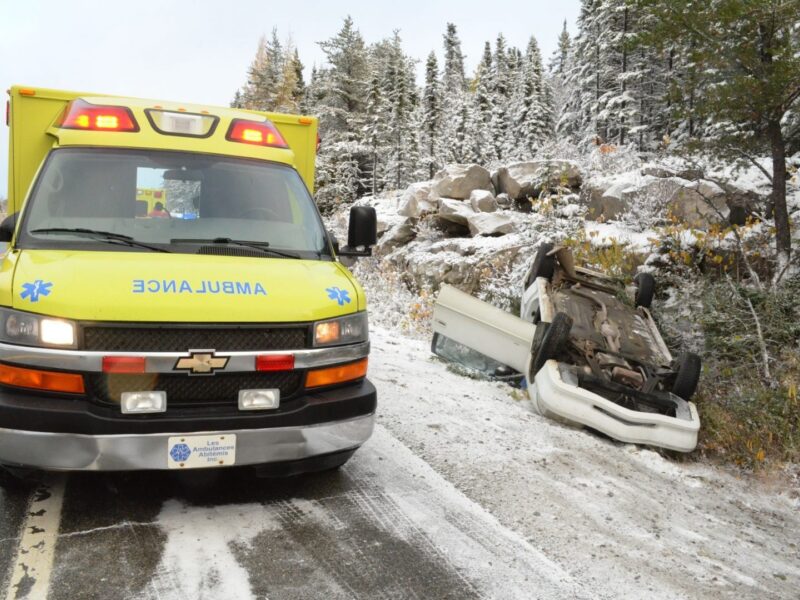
{"x":260,"y":133}
{"x":79,"y":114}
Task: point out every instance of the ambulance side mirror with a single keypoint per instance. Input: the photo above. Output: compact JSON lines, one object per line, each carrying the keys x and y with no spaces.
{"x":362,"y":233}
{"x":7,"y":227}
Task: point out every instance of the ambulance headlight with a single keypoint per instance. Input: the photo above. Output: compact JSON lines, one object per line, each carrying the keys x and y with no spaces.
{"x":344,"y":330}
{"x":28,"y":329}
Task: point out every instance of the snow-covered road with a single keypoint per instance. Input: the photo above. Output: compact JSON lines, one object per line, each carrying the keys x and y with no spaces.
{"x":622,"y":520}
{"x":462,"y":492}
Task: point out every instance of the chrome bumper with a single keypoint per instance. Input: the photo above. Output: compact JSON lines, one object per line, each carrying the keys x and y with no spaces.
{"x":73,"y":452}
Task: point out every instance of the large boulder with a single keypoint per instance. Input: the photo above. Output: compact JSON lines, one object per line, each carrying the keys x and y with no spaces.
{"x":459,"y":181}
{"x":490,"y":224}
{"x":528,"y":179}
{"x":414,"y":201}
{"x":455,"y":211}
{"x":482,"y":201}
{"x":609,"y":204}
{"x":699,"y":204}
{"x":618,"y":199}
{"x":399,"y":235}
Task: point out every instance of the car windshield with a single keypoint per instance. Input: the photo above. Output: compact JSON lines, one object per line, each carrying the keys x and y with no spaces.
{"x":145,"y":200}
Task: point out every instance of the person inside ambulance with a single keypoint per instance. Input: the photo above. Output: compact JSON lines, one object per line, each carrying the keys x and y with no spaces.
{"x":159,"y":211}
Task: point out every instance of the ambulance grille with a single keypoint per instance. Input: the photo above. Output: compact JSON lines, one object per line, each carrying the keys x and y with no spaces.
{"x":184,"y":390}
{"x":181,"y":339}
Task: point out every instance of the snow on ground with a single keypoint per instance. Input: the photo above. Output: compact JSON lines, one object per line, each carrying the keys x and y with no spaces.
{"x":622,"y":520}
{"x":394,"y":528}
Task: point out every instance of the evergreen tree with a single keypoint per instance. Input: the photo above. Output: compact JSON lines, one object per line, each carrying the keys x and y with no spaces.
{"x":431,"y":116}
{"x":344,"y":86}
{"x":746,"y":53}
{"x":340,"y":105}
{"x":299,"y":92}
{"x":482,"y":111}
{"x":530,"y":107}
{"x":456,"y":143}
{"x":454,"y":78}
{"x":558,"y":61}
{"x":501,"y":92}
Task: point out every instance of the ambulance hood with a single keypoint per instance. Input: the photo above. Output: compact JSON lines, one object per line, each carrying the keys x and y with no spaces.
{"x":152,"y":287}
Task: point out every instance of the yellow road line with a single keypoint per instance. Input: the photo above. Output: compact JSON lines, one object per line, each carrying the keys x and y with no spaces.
{"x":34,"y":561}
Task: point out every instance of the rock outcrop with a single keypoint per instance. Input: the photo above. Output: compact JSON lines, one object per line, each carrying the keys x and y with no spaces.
{"x":490,"y":224}
{"x":529,"y":179}
{"x":459,"y":181}
{"x":483,"y":201}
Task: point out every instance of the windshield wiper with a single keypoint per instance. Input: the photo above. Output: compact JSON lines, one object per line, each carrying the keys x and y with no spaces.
{"x":263,"y":246}
{"x":101,"y":236}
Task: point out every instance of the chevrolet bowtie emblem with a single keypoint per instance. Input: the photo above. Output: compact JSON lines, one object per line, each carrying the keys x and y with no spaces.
{"x":201,"y":362}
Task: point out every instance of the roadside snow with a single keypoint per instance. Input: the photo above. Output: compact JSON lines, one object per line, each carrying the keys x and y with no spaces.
{"x":622,"y":520}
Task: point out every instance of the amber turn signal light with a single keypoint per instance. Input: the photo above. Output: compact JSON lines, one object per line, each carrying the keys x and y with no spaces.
{"x":41,"y":380}
{"x":338,"y":374}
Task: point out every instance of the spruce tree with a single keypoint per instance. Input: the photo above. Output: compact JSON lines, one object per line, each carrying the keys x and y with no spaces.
{"x":431,"y":116}
{"x":747,"y":55}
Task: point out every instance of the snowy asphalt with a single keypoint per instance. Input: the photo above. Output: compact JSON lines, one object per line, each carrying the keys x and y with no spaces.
{"x":461,"y":493}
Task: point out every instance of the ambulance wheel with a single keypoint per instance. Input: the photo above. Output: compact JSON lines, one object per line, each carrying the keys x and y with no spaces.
{"x":542,"y":266}
{"x":16,"y":478}
{"x":553,"y":343}
{"x":688,"y":366}
{"x":645,"y":289}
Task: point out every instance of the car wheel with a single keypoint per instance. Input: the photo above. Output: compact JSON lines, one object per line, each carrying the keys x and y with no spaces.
{"x":15,"y":478}
{"x":645,"y":289}
{"x":688,"y":375}
{"x":553,"y":342}
{"x":542,"y":266}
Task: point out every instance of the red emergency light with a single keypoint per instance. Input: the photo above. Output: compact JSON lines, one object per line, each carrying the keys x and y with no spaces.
{"x":260,"y":133}
{"x":79,"y":114}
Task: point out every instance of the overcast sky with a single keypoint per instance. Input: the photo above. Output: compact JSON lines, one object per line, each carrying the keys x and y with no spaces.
{"x":198,"y":50}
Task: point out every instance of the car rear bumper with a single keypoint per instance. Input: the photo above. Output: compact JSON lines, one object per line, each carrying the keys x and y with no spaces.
{"x":553,"y":397}
{"x":128,"y":452}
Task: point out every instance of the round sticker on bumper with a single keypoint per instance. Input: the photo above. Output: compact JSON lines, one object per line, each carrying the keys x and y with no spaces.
{"x":180,"y":452}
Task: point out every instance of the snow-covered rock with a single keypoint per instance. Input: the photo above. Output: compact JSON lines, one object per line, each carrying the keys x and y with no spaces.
{"x":398,"y":235}
{"x":414,"y":202}
{"x":504,"y":200}
{"x":455,"y":211}
{"x":385,"y":211}
{"x":658,"y":171}
{"x":699,"y":204}
{"x":482,"y":201}
{"x":490,"y":224}
{"x":528,"y":179}
{"x":459,"y":181}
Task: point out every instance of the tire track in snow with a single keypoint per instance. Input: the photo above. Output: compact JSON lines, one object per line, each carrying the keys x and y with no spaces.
{"x":385,"y":527}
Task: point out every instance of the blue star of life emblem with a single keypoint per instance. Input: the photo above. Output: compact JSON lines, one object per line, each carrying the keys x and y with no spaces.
{"x":180,"y":452}
{"x":35,"y":289}
{"x":341,"y":296}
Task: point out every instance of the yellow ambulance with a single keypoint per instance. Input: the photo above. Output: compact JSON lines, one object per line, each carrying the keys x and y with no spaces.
{"x":215,"y":328}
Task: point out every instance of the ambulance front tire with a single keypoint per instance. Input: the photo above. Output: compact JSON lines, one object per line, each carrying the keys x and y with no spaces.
{"x":318,"y":464}
{"x":18,"y":478}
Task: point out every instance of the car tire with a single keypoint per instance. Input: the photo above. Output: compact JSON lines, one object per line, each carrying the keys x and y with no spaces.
{"x":553,"y":342}
{"x":14,"y":478}
{"x":645,"y":289}
{"x":687,"y":368}
{"x":542,"y":266}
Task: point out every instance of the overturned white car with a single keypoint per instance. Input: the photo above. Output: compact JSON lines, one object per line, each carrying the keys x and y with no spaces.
{"x":588,"y":356}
